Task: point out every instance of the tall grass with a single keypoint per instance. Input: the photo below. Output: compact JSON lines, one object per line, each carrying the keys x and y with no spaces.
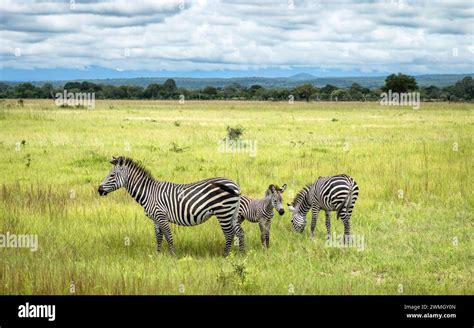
{"x":415,"y":209}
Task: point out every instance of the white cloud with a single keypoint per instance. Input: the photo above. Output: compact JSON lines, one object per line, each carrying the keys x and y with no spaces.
{"x":418,"y":36}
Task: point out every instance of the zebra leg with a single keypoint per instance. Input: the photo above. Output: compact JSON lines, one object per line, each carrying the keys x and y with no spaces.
{"x":347,"y":229}
{"x":347,"y":223}
{"x":314,"y":218}
{"x":328,"y":224}
{"x":267,"y":235}
{"x":229,"y":228}
{"x":347,"y":213}
{"x":159,"y":237}
{"x":166,"y":230}
{"x":345,"y":216}
{"x":262,"y":233}
{"x":241,"y":236}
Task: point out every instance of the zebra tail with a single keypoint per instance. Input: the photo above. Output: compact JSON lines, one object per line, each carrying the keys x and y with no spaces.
{"x":235,"y":216}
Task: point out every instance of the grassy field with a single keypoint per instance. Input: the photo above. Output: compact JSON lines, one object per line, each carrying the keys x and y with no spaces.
{"x":415,"y":210}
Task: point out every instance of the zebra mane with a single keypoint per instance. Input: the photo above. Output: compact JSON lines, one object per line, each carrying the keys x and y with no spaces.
{"x":130,"y":163}
{"x":268,"y":192}
{"x":301,"y":195}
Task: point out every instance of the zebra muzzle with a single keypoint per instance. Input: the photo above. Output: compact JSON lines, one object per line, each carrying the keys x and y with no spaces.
{"x":101,"y":191}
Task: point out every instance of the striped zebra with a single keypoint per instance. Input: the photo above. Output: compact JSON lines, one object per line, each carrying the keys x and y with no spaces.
{"x":181,"y":204}
{"x":260,"y":211}
{"x":333,"y":193}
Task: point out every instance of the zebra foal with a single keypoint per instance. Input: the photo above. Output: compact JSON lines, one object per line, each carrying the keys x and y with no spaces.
{"x":260,"y":211}
{"x":182,"y":204}
{"x":332,"y":193}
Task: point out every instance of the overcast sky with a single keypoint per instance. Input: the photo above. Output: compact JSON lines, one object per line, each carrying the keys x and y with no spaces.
{"x":218,"y":37}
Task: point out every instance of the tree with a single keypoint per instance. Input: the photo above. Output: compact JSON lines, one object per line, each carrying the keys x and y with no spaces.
{"x":400,"y":83}
{"x":342,"y":95}
{"x":356,"y":92}
{"x":279,"y":94}
{"x":153,"y":91}
{"x":257,"y":92}
{"x":327,"y":91}
{"x":355,"y":87}
{"x":72,"y":86}
{"x":27,"y":90}
{"x":47,"y":91}
{"x":254,"y":89}
{"x":135,"y":92}
{"x":232,"y":90}
{"x":432,"y":92}
{"x":5,"y":90}
{"x":3,"y":87}
{"x":304,"y":91}
{"x":118,"y":93}
{"x":210,"y":91}
{"x":464,"y":89}
{"x":89,"y":87}
{"x":169,"y":89}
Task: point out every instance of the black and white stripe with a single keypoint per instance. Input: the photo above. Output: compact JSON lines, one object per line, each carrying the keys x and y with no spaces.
{"x":260,"y":211}
{"x":333,"y":193}
{"x":181,"y":204}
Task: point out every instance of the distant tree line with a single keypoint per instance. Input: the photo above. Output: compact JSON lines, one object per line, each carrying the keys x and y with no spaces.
{"x":462,"y":90}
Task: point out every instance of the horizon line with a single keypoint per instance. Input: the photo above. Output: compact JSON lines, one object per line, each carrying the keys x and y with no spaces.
{"x":310,"y":77}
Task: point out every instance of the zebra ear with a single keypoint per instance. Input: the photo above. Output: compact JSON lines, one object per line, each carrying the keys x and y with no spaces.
{"x":283,"y":188}
{"x":272,"y":188}
{"x":114,"y":160}
{"x":121,"y":160}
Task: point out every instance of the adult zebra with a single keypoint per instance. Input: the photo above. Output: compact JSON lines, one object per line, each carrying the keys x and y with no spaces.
{"x":261,"y":211}
{"x":182,"y":204}
{"x":333,"y":193}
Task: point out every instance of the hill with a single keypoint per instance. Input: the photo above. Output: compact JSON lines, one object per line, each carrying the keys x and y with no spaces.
{"x":439,"y":80}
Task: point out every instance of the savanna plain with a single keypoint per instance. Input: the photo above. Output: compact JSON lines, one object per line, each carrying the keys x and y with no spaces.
{"x":414,"y":213}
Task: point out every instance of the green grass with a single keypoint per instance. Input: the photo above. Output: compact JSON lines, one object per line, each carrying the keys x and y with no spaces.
{"x":409,"y":240}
